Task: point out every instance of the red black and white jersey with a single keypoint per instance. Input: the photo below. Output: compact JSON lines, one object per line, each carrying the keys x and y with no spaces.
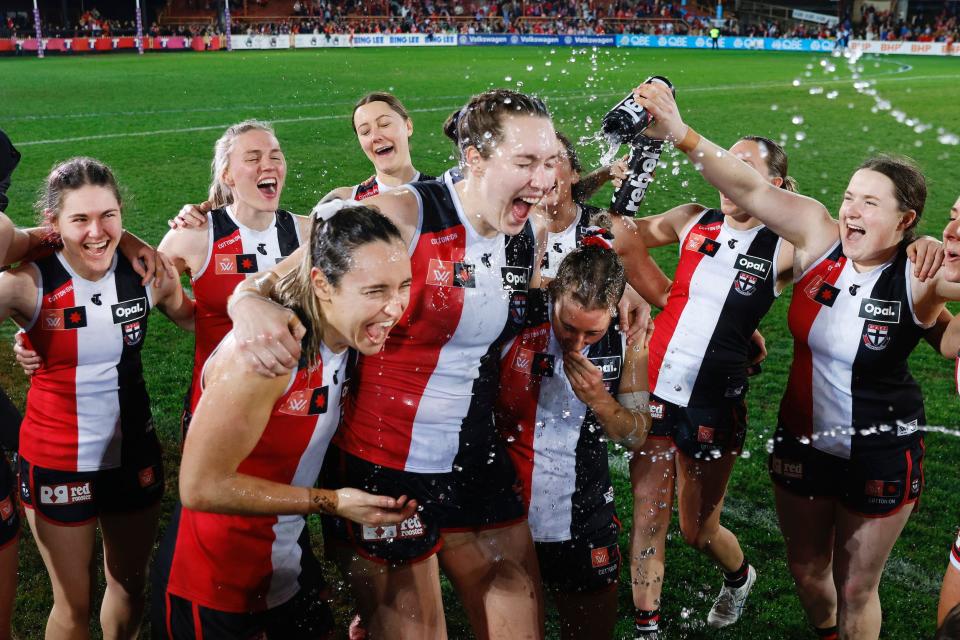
{"x":853,"y":333}
{"x":556,"y":444}
{"x":234,"y":251}
{"x":252,"y":563}
{"x":725,"y":282}
{"x":562,"y":243}
{"x":372,"y":186}
{"x":429,"y":394}
{"x":89,"y":396}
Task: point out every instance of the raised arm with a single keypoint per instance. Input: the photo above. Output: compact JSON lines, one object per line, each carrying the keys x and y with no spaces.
{"x":803,"y":221}
{"x":229,"y":421}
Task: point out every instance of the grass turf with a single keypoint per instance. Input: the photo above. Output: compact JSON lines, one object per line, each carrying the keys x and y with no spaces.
{"x":155,"y":118}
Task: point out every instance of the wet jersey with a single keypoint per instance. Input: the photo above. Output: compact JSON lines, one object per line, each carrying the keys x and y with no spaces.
{"x":252,"y":563}
{"x":372,"y":186}
{"x":562,"y":243}
{"x":554,"y":440}
{"x":89,"y":396}
{"x":853,"y":333}
{"x":429,"y":394}
{"x":725,"y":282}
{"x":234,"y":251}
{"x":955,"y":554}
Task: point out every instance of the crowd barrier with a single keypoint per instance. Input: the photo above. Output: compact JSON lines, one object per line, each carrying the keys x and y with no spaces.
{"x":309,"y":40}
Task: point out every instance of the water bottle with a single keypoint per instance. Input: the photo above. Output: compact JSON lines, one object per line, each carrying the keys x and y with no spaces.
{"x":628,"y":119}
{"x":644,"y":157}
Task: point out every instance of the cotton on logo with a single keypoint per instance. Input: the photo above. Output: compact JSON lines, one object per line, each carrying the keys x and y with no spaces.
{"x":65,"y":494}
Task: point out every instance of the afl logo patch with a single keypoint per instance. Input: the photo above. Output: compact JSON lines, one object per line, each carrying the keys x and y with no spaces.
{"x":63,"y":319}
{"x":703,"y":244}
{"x":442,"y":273}
{"x":129,"y":310}
{"x":306,"y":402}
{"x":880,"y":310}
{"x":876,"y":336}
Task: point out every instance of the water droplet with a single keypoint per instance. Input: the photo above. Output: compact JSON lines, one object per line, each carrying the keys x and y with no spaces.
{"x":797,"y":119}
{"x":800,"y":135}
{"x":508,"y":79}
{"x":773,"y":107}
{"x":529,"y":67}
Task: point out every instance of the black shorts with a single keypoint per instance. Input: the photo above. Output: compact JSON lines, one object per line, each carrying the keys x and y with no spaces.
{"x":470,"y":498}
{"x":702,"y":433}
{"x":78,"y":497}
{"x":584,"y":564}
{"x":306,"y":616}
{"x":9,"y":513}
{"x":874,"y":484}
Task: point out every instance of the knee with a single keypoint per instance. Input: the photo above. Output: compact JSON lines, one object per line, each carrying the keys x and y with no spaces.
{"x":72,"y":611}
{"x":131,"y":586}
{"x":855,"y":594}
{"x":696,"y":535}
{"x":811,"y":582}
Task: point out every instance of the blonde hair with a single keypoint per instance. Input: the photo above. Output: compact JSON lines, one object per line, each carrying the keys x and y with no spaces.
{"x":220,"y":193}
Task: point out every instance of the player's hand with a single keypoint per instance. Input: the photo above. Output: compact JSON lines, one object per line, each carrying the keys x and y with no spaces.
{"x":192,"y":216}
{"x":146,"y":261}
{"x":659,"y":101}
{"x":634,"y":317}
{"x":372,"y":510}
{"x":28,"y":359}
{"x":618,"y":172}
{"x":585,"y":378}
{"x":926,"y":253}
{"x":267,"y":334}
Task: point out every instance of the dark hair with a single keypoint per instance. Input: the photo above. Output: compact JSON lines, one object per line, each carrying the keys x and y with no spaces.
{"x":570,"y":151}
{"x":479,"y":123}
{"x":67,"y":176}
{"x":380,"y":96}
{"x":332,"y":244}
{"x":909,"y":185}
{"x":593,"y":276}
{"x":776,"y":160}
{"x":950,"y":628}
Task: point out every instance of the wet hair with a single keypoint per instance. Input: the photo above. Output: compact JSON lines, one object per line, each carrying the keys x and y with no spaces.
{"x":220,"y":193}
{"x":909,"y":185}
{"x":479,"y":123}
{"x":775,"y":158}
{"x":68,"y":176}
{"x":333,"y":243}
{"x":950,"y":628}
{"x":570,"y":151}
{"x":592,"y":276}
{"x":380,"y":96}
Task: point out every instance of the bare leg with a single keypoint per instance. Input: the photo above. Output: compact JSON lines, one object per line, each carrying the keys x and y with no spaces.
{"x":701,"y":486}
{"x":8,"y":586}
{"x":497,"y":577}
{"x":652,"y":474}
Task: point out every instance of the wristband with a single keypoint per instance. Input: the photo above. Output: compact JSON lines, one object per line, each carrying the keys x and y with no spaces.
{"x":689,"y":142}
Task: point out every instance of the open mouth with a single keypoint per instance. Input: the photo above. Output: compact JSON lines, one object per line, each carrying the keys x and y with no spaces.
{"x":520,"y":208}
{"x":268,"y":187}
{"x":377,"y":332}
{"x":854,"y":232}
{"x":96,"y":248}
{"x":383,"y":150}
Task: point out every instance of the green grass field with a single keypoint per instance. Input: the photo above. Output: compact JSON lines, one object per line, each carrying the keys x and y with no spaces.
{"x":155,"y":118}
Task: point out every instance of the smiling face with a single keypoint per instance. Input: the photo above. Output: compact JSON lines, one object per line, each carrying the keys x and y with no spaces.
{"x":519,"y":171}
{"x":871,"y":222}
{"x":256,"y":170}
{"x":575,"y":326}
{"x":384,"y":136}
{"x":370,"y":298}
{"x":951,"y":244}
{"x":90,"y":226}
{"x":562,"y":190}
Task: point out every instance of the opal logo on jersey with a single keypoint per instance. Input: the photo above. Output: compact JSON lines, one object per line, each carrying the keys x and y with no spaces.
{"x":63,"y":319}
{"x":609,"y":366}
{"x":129,"y":310}
{"x":514,"y":278}
{"x":306,"y":402}
{"x":753,"y":265}
{"x":880,"y":310}
{"x":66,"y":494}
{"x":876,"y":336}
{"x":132,"y":333}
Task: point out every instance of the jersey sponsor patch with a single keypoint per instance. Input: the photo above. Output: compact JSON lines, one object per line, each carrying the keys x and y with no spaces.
{"x":600,"y":557}
{"x":147,"y":477}
{"x":822,"y":292}
{"x":876,"y":336}
{"x":543,"y":364}
{"x":518,"y":308}
{"x":608,"y":495}
{"x":235,"y":263}
{"x":443,"y":273}
{"x":63,"y":319}
{"x":515,"y":278}
{"x":883,"y":491}
{"x":132,"y":333}
{"x":6,"y":508}
{"x":705,"y":434}
{"x":656,"y":410}
{"x":412,"y":527}
{"x":754,"y":266}
{"x":306,"y":402}
{"x":907,"y":428}
{"x":703,"y":244}
{"x":609,"y":366}
{"x":523,"y":362}
{"x":66,"y":494}
{"x":880,"y":310}
{"x":128,"y":310}
{"x":787,"y":468}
